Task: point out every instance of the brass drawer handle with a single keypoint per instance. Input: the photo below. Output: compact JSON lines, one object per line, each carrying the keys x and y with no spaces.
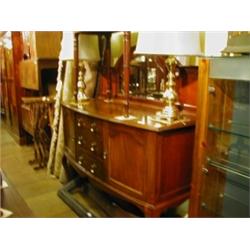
{"x":80,"y":159}
{"x":93,"y":127}
{"x":105,"y":153}
{"x":92,"y":168}
{"x":204,"y":205}
{"x":93,"y":147}
{"x":80,"y":140}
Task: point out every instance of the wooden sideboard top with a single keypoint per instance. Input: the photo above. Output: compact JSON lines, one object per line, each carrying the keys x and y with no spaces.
{"x":143,"y":116}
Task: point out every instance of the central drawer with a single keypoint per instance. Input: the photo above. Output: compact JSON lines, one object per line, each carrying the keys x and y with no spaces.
{"x":91,"y":164}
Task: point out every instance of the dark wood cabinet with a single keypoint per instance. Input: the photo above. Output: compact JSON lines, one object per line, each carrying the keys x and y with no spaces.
{"x":148,"y":165}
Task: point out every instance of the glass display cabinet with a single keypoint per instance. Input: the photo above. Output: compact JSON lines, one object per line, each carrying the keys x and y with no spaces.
{"x":224,"y":168}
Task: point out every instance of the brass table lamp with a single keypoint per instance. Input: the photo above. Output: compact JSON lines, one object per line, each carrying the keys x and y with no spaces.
{"x":171,"y":44}
{"x":88,"y":51}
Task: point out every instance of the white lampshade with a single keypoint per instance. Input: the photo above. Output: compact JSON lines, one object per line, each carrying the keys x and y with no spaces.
{"x":178,"y":43}
{"x":67,"y":46}
{"x":215,"y":42}
{"x":88,"y":47}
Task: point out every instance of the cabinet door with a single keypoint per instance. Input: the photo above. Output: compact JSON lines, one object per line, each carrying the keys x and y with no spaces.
{"x":69,"y":131}
{"x":127,"y":158}
{"x":225,"y":188}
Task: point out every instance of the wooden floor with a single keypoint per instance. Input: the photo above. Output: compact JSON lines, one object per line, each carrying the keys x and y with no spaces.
{"x":37,"y":189}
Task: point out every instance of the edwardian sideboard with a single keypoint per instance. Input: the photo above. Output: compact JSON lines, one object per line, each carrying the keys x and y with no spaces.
{"x":143,"y":161}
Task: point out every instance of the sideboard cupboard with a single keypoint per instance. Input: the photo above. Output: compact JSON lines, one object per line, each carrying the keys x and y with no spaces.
{"x":142,"y":161}
{"x":118,"y":145}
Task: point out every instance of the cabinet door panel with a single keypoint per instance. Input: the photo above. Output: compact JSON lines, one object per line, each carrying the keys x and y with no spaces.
{"x":127,"y":159}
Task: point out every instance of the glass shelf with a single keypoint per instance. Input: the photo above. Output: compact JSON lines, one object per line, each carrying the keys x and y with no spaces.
{"x":229,"y":166}
{"x":244,"y":130}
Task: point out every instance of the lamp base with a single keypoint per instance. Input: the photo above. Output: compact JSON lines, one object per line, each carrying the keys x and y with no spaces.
{"x":169,"y":114}
{"x":82,"y":100}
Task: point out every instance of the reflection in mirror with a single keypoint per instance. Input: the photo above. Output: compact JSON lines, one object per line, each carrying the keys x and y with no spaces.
{"x":148,"y":73}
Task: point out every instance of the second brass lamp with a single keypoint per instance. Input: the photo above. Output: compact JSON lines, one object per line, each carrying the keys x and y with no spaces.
{"x":171,"y":44}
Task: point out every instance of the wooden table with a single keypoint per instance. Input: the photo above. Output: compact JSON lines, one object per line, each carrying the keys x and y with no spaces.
{"x":11,"y":200}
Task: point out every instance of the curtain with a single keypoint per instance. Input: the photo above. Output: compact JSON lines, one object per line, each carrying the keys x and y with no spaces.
{"x":65,"y":94}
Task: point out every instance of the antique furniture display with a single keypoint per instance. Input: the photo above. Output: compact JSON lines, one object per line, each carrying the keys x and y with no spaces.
{"x":117,"y":144}
{"x":136,"y":160}
{"x":221,"y":173}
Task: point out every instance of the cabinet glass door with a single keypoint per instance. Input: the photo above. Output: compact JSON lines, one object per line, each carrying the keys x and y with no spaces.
{"x":225,"y":190}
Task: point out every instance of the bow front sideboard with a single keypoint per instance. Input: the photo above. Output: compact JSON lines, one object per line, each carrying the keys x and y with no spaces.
{"x":140,"y":160}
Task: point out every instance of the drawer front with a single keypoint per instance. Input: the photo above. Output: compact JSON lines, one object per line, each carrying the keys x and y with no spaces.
{"x":90,"y":142}
{"x":90,"y":164}
{"x":92,"y":125}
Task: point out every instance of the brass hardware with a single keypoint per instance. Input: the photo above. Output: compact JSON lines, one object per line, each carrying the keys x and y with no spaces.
{"x":80,"y":159}
{"x":79,"y":141}
{"x":93,"y":127}
{"x":81,"y":86}
{"x":221,"y":195}
{"x":78,"y":124}
{"x":170,"y":112}
{"x":205,"y":170}
{"x":204,"y":205}
{"x":105,"y":155}
{"x":93,"y":167}
{"x":92,"y":147}
{"x":211,"y":89}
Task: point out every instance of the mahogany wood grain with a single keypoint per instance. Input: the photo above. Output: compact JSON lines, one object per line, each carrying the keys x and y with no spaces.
{"x":143,"y":164}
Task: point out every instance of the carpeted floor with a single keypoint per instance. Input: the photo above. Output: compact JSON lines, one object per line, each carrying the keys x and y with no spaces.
{"x":37,"y":189}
